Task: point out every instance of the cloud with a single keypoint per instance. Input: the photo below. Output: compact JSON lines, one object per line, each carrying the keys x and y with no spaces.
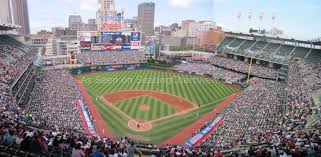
{"x":88,"y":5}
{"x":311,"y":7}
{"x":218,"y":1}
{"x":186,"y":3}
{"x":69,"y":1}
{"x":180,"y":3}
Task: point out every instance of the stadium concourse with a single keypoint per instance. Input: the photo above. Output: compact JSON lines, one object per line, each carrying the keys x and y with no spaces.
{"x":269,"y":118}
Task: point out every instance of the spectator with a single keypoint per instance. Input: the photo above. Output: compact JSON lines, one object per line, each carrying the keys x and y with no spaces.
{"x":77,"y":151}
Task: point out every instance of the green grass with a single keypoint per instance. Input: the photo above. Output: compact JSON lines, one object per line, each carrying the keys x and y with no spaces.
{"x":206,"y":93}
{"x":131,"y":108}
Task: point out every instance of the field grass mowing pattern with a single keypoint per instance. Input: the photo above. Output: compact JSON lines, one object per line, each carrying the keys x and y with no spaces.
{"x":157,"y":108}
{"x":196,"y":89}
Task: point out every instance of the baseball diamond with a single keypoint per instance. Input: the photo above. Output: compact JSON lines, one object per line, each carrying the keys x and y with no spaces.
{"x":169,"y":100}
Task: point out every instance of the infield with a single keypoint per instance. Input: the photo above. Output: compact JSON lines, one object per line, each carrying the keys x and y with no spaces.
{"x":167,"y":102}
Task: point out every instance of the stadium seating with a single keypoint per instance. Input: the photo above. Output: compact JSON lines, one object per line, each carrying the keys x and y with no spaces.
{"x":300,"y":52}
{"x":233,"y":46}
{"x":243,"y":67}
{"x":99,"y":58}
{"x":267,"y":113}
{"x":259,"y":45}
{"x":56,"y":92}
{"x":15,"y":67}
{"x":225,"y":42}
{"x":255,"y":112}
{"x":285,"y":50}
{"x":315,"y":57}
{"x":244,"y":46}
{"x":216,"y":72}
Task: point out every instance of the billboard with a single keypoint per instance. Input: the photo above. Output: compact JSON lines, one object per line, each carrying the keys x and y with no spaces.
{"x":135,"y":36}
{"x":105,"y":47}
{"x":115,"y":38}
{"x":85,"y":45}
{"x":110,"y":26}
{"x":203,"y":132}
{"x":125,"y":46}
{"x":84,"y":36}
{"x":135,"y":45}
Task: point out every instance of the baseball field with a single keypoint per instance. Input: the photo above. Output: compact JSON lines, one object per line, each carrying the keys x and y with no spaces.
{"x":148,"y":105}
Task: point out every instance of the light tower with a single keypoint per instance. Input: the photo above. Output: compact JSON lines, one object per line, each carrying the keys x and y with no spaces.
{"x":250,"y":18}
{"x":261,"y":17}
{"x":273,"y":30}
{"x":239,"y":16}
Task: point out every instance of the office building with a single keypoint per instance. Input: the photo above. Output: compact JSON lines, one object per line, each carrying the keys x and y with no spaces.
{"x":5,"y":12}
{"x":146,"y":17}
{"x":20,"y":16}
{"x":75,"y":22}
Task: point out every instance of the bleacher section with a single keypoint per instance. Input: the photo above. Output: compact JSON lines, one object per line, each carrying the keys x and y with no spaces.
{"x":244,"y":46}
{"x":100,"y":58}
{"x":259,"y":45}
{"x":315,"y":57}
{"x":285,"y":50}
{"x":267,"y":51}
{"x":223,"y":43}
{"x":16,"y":72}
{"x":300,"y":52}
{"x":233,"y":46}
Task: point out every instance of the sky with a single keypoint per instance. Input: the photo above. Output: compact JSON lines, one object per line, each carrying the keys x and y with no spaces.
{"x":298,"y":19}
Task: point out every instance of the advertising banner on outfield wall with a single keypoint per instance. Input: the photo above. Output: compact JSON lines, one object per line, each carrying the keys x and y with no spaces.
{"x":193,"y":140}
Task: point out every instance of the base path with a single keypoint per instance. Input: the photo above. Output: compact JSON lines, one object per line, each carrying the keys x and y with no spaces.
{"x":98,"y":121}
{"x":183,"y":135}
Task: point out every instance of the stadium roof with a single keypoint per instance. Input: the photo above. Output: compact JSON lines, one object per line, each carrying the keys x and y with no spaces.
{"x":274,"y":38}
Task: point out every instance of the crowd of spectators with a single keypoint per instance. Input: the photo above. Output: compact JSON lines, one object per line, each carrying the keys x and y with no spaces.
{"x":216,"y":72}
{"x":311,"y":74}
{"x":99,"y":58}
{"x":15,"y":58}
{"x":268,"y":112}
{"x":258,"y":110}
{"x":19,"y":139}
{"x":241,"y":66}
{"x":53,"y":101}
{"x":257,"y":117}
{"x":299,"y":105}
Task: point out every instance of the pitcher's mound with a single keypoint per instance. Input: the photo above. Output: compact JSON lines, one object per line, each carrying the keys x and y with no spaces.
{"x":139,"y":125}
{"x":144,"y":108}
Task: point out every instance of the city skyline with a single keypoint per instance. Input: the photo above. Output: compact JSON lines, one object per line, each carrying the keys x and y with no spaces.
{"x":297,"y":20}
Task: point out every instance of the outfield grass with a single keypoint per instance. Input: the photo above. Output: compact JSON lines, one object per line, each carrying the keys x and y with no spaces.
{"x":206,"y":93}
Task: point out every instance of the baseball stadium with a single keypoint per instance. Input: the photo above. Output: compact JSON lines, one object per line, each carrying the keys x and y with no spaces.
{"x":109,"y":89}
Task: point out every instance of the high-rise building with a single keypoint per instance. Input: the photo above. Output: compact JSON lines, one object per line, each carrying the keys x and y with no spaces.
{"x":146,"y":16}
{"x":75,"y":22}
{"x":58,"y":31}
{"x":5,"y":12}
{"x":130,"y":25}
{"x":20,"y":15}
{"x":106,"y":8}
{"x":90,"y":26}
{"x":107,"y":16}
